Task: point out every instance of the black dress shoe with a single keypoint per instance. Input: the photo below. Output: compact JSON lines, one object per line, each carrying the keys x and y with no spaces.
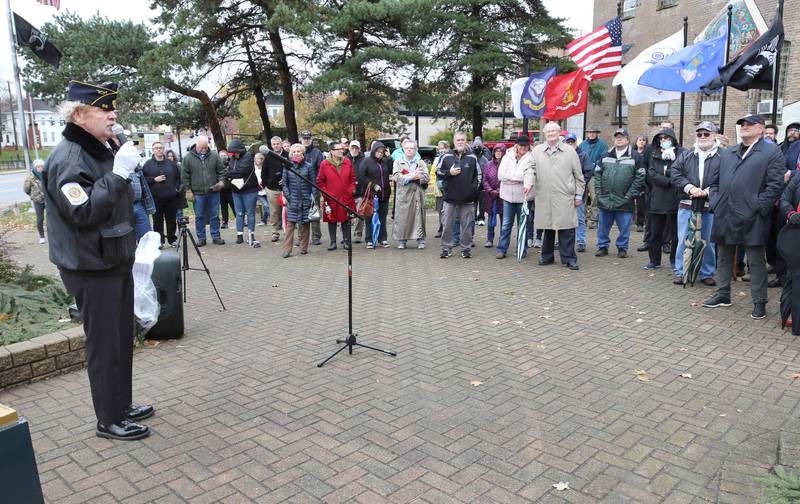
{"x":218,"y":241}
{"x":642,"y":248}
{"x":546,"y":263}
{"x":573,"y":266}
{"x":124,"y":430}
{"x":136,"y":413}
{"x":601,"y":252}
{"x":622,"y":253}
{"x":332,"y":246}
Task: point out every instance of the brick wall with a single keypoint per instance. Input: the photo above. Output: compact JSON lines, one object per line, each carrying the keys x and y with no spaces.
{"x":42,"y":357}
{"x":649,"y":25}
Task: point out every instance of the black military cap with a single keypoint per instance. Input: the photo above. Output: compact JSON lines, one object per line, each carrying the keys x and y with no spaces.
{"x":305,"y":134}
{"x":523,"y":140}
{"x":103,"y":96}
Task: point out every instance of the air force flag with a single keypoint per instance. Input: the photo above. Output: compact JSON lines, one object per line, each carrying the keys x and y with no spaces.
{"x":628,"y":77}
{"x":688,"y":69}
{"x":527,"y":94}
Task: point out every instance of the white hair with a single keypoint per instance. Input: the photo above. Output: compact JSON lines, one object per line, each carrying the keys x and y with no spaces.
{"x":409,"y":141}
{"x":552,"y":124}
{"x":296,"y":147}
{"x":68,"y":109}
{"x":459,"y":134}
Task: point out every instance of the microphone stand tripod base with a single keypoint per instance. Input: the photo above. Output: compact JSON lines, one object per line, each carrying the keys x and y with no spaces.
{"x":349,"y":343}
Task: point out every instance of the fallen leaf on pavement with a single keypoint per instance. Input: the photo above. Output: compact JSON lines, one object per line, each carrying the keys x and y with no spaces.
{"x":794,"y":376}
{"x":683,"y":349}
{"x":151,"y":342}
{"x":495,"y":322}
{"x":723,"y":415}
{"x":544,"y":316}
{"x":741,"y":293}
{"x":60,"y":320}
{"x":639,"y":321}
{"x":641,"y":375}
{"x":561,"y":485}
{"x":476,"y":383}
{"x":686,"y":375}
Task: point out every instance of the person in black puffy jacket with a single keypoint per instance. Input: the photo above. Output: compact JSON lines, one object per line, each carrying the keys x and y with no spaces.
{"x":242,"y":175}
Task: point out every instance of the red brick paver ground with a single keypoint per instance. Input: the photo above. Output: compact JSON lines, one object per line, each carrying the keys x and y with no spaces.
{"x":244,"y":414}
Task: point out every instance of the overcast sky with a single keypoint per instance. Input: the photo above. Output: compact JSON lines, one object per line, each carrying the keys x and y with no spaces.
{"x":577,"y":12}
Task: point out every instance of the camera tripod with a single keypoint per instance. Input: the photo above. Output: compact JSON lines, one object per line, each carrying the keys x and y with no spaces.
{"x":183,"y":250}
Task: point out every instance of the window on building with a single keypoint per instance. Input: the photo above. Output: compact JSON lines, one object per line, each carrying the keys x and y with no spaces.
{"x":710,"y":106}
{"x":663,"y":4}
{"x":762,"y":99}
{"x":629,"y":8}
{"x":659,"y":111}
{"x":624,"y":108}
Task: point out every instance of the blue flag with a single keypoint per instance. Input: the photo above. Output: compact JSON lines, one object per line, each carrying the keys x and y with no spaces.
{"x":688,"y":69}
{"x":527,"y":94}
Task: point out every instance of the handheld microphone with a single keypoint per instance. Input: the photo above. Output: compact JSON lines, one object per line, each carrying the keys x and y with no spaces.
{"x":119,"y":132}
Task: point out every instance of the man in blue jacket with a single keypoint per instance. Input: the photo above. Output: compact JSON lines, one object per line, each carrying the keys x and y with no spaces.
{"x":595,"y":149}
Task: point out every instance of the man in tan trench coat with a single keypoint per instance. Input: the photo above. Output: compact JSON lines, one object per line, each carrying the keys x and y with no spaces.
{"x":556,"y":178}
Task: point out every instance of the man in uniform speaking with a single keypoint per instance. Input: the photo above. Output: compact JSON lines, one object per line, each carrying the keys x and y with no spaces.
{"x":90,"y":230}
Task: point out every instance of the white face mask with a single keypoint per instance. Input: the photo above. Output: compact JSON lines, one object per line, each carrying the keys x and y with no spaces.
{"x":666,"y":144}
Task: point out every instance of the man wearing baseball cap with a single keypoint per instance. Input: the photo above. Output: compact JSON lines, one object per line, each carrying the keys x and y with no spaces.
{"x":90,"y":226}
{"x":693,"y":174}
{"x":595,"y":148}
{"x":619,"y":178}
{"x":750,"y":181}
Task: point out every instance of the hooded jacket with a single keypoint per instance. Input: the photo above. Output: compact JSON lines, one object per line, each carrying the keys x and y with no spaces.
{"x":89,"y":209}
{"x":786,"y":144}
{"x":491,"y":180}
{"x":664,"y":197}
{"x":379,"y":171}
{"x":242,"y":166}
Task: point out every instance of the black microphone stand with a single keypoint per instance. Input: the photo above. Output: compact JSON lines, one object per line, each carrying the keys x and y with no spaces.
{"x":351,"y":339}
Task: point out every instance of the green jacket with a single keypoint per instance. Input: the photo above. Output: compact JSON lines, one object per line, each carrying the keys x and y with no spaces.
{"x":618,"y":181}
{"x":200,"y":174}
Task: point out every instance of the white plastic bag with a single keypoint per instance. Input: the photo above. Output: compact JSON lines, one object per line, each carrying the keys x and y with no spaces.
{"x":145,"y":298}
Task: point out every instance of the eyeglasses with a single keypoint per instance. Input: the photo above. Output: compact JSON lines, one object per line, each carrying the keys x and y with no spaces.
{"x":158,"y":148}
{"x":703,"y":134}
{"x":339,"y":149}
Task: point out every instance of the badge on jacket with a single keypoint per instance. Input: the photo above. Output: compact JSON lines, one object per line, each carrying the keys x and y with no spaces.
{"x":74,"y":193}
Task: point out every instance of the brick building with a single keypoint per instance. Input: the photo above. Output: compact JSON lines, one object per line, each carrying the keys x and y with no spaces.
{"x":648,"y":21}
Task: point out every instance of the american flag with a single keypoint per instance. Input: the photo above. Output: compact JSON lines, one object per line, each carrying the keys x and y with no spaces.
{"x":599,"y":53}
{"x":54,"y":3}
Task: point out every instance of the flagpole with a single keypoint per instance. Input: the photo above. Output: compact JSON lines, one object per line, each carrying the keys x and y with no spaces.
{"x":15,"y":68}
{"x":776,"y":80}
{"x":619,"y":88}
{"x":727,"y":57}
{"x":33,"y":126}
{"x":527,"y":55}
{"x":683,"y":95}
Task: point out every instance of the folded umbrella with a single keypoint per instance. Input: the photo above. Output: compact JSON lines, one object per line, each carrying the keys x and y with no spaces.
{"x":376,"y":222}
{"x":695,"y":245}
{"x":521,"y":228}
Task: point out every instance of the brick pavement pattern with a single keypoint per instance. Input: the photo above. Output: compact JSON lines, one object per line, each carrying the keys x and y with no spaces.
{"x":244,"y":414}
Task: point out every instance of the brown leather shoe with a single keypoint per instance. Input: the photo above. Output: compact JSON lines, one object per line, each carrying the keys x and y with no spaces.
{"x":709,"y":281}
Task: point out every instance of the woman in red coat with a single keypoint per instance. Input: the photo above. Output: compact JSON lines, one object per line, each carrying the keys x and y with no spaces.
{"x":337,"y":177}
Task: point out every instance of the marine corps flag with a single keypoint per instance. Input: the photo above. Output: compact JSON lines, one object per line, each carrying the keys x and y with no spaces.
{"x":566,"y":95}
{"x":755,"y":67}
{"x":28,"y":36}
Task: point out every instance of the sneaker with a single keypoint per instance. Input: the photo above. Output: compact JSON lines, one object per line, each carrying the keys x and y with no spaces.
{"x":480,"y":222}
{"x":489,"y":244}
{"x":218,"y":241}
{"x":746,"y":277}
{"x":530,"y":243}
{"x":573,"y":266}
{"x":651,"y":266}
{"x":546,"y":263}
{"x":759,"y":311}
{"x":678,"y":280}
{"x":255,"y":244}
{"x":601,"y":252}
{"x":316,"y":241}
{"x":581,"y":248}
{"x":201,"y":242}
{"x":385,"y":244}
{"x":466,"y":254}
{"x":716,"y":301}
{"x":622,"y":253}
{"x":224,"y":225}
{"x":42,"y":240}
{"x":438,"y":234}
{"x":239,"y":239}
{"x":259,"y":223}
{"x":370,"y":245}
{"x":640,"y":229}
{"x":537,"y":243}
{"x":421,"y":245}
{"x":500,"y":255}
{"x":275,"y":237}
{"x":358,"y":239}
{"x":401,"y":245}
{"x":297,"y":242}
{"x":445,"y":254}
{"x":332,"y":246}
{"x":642,"y":248}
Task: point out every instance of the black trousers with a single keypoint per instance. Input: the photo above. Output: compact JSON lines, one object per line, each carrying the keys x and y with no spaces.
{"x":641,"y":210}
{"x":166,"y":211}
{"x":664,"y":226}
{"x":566,"y":245}
{"x":345,"y":231}
{"x":778,"y":220}
{"x":106,"y":304}
{"x":225,"y":201}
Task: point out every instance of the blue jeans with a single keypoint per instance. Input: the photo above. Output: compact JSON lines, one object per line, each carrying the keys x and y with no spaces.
{"x":142,"y":224}
{"x":709,"y":264}
{"x":580,"y":237}
{"x":265,"y":208}
{"x":606,"y":220}
{"x":492,"y":221}
{"x":511,"y":213}
{"x":206,"y":210}
{"x":245,"y":202}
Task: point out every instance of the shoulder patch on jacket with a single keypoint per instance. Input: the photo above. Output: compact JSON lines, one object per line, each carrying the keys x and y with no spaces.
{"x":74,"y":193}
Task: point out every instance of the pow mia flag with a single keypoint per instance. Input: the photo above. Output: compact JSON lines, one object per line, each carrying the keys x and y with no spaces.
{"x":755,"y":67}
{"x":28,"y":36}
